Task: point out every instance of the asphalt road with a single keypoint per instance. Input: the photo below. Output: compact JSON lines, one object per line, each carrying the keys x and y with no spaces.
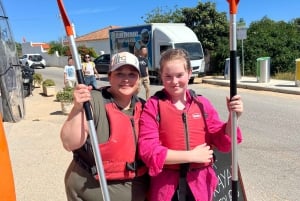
{"x":268,"y":157}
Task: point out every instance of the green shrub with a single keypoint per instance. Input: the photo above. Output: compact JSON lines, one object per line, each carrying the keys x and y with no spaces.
{"x":48,"y":83}
{"x":65,"y":95}
{"x":37,"y":78}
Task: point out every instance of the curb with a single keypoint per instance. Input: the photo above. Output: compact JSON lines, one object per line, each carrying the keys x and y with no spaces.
{"x":278,"y":88}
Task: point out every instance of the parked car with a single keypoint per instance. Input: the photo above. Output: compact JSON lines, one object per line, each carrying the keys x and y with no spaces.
{"x":102,"y":63}
{"x":33,"y":60}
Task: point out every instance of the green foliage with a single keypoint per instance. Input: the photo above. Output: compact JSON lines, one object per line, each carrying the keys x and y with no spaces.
{"x":83,"y":50}
{"x":65,"y":50}
{"x":160,"y":15}
{"x":210,"y":26}
{"x":37,"y":78}
{"x":48,"y":83}
{"x":19,"y":49}
{"x":278,"y":40}
{"x":54,"y":46}
{"x":66,"y":95}
{"x":212,"y":29}
{"x":218,"y":56}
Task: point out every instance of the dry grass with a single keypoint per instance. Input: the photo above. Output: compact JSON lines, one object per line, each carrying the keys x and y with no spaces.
{"x":284,"y":76}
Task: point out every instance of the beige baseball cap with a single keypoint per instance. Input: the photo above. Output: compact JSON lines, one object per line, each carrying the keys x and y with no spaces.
{"x":124,"y":58}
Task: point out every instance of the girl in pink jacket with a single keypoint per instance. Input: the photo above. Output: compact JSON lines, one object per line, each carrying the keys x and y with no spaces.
{"x":178,"y":131}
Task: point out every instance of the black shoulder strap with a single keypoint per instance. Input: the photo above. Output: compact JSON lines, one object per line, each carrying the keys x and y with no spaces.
{"x":135,"y":99}
{"x":193,"y":93}
{"x":160,"y":94}
{"x":142,"y":101}
{"x":195,"y":97}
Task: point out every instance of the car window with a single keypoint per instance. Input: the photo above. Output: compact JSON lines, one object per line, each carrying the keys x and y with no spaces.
{"x":97,"y":59}
{"x":106,"y":58}
{"x":36,"y":58}
{"x":103,"y":58}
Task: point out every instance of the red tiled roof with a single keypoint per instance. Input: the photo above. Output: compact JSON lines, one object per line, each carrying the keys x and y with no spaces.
{"x":45,"y":46}
{"x":96,"y":35}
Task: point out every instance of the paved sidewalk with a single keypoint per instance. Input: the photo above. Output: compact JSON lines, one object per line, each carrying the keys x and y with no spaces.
{"x":281,"y":86}
{"x":38,"y":159}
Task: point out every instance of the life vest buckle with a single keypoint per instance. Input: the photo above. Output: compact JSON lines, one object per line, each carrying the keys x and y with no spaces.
{"x":131,"y":166}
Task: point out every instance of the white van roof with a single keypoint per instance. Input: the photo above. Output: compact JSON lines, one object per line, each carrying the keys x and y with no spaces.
{"x":176,"y":32}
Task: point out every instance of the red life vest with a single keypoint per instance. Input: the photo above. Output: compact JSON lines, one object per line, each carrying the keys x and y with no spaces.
{"x":187,"y":130}
{"x":119,"y":153}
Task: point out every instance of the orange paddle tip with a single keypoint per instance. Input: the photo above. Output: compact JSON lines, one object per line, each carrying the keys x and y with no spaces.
{"x":233,"y":6}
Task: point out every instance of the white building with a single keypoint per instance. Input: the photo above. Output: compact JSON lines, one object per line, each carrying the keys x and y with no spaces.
{"x":98,"y":40}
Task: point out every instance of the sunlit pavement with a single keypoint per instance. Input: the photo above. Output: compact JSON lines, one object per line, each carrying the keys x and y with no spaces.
{"x":281,"y":86}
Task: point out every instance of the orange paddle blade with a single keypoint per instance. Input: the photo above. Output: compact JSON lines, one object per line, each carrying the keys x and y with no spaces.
{"x":7,"y":187}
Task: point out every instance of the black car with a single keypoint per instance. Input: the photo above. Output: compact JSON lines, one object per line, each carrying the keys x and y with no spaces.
{"x":102,"y":63}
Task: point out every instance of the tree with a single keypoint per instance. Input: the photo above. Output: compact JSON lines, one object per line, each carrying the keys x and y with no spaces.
{"x":19,"y":49}
{"x":212,"y":29}
{"x":297,"y":23}
{"x":57,"y":46}
{"x":210,"y":26}
{"x":278,"y":40}
{"x":159,"y":15}
{"x":83,"y":50}
{"x":65,"y":50}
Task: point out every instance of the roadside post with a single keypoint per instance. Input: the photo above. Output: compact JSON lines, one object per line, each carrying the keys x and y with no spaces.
{"x":87,"y":107}
{"x":297,"y":73}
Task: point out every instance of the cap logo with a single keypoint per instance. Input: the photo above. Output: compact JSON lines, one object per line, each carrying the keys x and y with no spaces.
{"x":119,"y":59}
{"x":124,"y":58}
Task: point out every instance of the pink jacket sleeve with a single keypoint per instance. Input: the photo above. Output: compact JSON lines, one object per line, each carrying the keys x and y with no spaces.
{"x":150,"y":149}
{"x":216,"y":127}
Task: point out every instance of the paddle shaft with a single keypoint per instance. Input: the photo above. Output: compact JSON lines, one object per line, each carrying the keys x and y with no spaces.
{"x":233,"y":92}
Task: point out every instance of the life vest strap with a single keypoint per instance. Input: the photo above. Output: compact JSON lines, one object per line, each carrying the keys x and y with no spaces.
{"x":92,"y":169}
{"x":135,"y":166}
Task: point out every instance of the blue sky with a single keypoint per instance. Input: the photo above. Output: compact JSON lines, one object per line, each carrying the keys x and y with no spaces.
{"x":38,"y":20}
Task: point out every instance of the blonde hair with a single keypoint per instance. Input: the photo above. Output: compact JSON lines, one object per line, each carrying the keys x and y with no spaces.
{"x":172,"y":54}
